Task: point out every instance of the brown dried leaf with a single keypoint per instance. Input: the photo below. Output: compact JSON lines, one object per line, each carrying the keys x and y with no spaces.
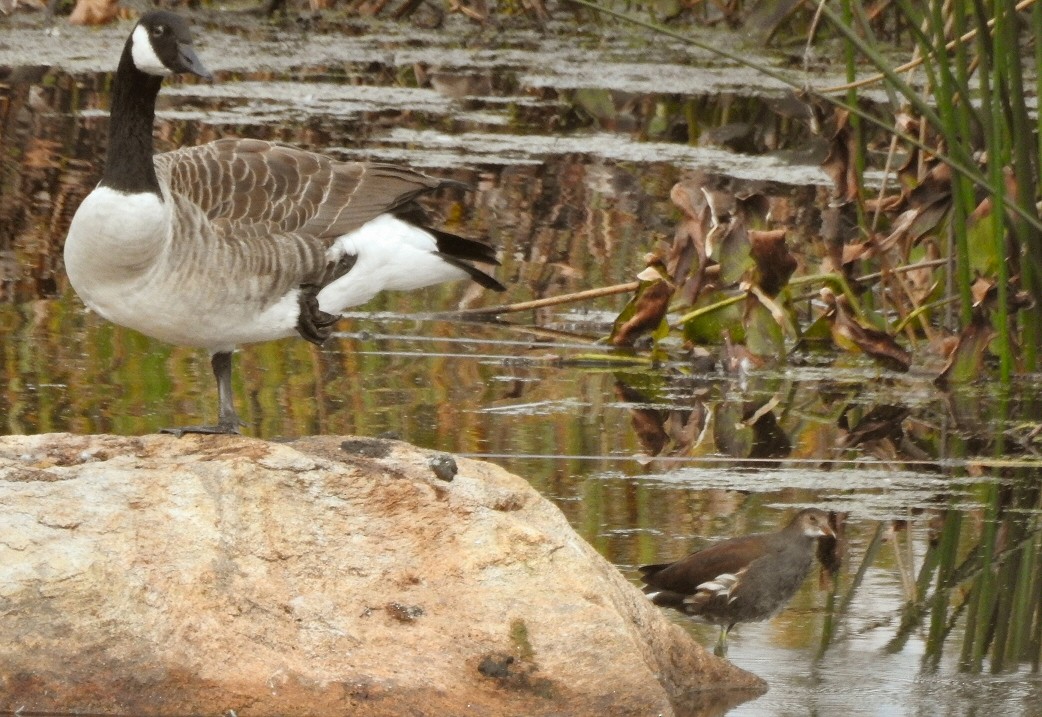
{"x":686,"y":260}
{"x":645,"y":310}
{"x":879,"y":423}
{"x":849,"y":335}
{"x":966,"y":361}
{"x":95,"y":12}
{"x":839,"y":164}
{"x":774,"y":263}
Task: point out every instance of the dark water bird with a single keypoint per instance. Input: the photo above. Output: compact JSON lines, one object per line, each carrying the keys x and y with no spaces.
{"x":240,"y":240}
{"x":744,"y":579}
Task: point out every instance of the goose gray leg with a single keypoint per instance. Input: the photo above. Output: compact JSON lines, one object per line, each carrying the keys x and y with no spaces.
{"x":227,"y":419}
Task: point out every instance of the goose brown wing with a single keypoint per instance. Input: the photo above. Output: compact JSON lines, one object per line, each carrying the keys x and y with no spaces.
{"x":245,"y":184}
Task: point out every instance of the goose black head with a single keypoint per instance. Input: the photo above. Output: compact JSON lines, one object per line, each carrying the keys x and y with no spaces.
{"x":161,"y":45}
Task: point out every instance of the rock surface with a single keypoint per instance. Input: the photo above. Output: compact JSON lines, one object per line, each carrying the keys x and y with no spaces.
{"x":205,"y":575}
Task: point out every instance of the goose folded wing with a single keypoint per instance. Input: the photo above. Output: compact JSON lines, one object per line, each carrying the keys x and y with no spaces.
{"x":256,"y":183}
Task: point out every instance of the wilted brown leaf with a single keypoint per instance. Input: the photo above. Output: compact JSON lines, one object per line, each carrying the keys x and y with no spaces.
{"x":687,"y":258}
{"x":879,"y":423}
{"x":774,"y":263}
{"x":95,"y":12}
{"x":645,"y":310}
{"x":849,"y":335}
{"x":966,"y":361}
{"x":839,"y":164}
{"x":985,"y":294}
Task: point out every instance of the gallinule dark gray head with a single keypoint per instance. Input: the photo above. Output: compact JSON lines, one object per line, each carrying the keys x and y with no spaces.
{"x":743,"y":579}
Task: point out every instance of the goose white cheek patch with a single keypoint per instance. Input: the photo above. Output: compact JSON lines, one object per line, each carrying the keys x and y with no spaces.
{"x":145,"y":58}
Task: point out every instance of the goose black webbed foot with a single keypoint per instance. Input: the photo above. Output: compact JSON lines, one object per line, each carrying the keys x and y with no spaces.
{"x":314,"y":324}
{"x":215,"y":430}
{"x":227,"y":419}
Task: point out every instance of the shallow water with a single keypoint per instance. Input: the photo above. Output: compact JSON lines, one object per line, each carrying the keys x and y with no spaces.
{"x":648,"y":463}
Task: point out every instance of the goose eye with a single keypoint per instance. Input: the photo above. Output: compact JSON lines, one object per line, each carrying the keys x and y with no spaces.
{"x":158,"y":31}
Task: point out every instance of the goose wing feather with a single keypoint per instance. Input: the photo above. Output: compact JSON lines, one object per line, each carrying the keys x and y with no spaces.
{"x":247,"y":187}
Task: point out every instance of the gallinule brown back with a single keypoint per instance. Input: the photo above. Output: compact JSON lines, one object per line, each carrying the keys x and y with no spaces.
{"x":744,"y":579}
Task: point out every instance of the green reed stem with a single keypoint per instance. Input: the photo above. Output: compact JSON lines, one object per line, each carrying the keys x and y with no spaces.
{"x":947,"y":549}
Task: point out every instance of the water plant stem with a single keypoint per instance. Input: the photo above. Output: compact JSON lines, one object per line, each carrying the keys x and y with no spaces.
{"x":550,"y":300}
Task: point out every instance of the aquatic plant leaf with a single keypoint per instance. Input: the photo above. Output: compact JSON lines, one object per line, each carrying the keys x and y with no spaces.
{"x":818,"y":334}
{"x":980,"y":241}
{"x":851,"y":336}
{"x":774,"y":264}
{"x":712,"y":326}
{"x":728,"y":245}
{"x":646,"y":311}
{"x":750,"y":430}
{"x":733,"y":437}
{"x":769,"y":440}
{"x":966,"y":362}
{"x":598,"y":103}
{"x":686,"y":261}
{"x":763,"y":334}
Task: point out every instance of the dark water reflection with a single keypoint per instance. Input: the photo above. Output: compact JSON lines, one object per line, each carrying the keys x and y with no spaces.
{"x":641,"y":460}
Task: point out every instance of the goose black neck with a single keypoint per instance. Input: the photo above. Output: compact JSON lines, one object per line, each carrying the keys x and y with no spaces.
{"x":128,"y":163}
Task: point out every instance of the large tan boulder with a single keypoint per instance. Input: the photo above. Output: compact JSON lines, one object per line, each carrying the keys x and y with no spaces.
{"x":220,"y":575}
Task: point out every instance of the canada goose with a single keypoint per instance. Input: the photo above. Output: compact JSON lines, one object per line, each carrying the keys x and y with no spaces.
{"x":240,"y":240}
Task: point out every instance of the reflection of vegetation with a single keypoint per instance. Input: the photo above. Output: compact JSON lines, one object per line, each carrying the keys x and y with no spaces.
{"x":953,"y":225}
{"x":986,"y":577}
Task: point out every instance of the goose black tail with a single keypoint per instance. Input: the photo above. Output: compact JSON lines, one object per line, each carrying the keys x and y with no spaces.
{"x":460,"y":251}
